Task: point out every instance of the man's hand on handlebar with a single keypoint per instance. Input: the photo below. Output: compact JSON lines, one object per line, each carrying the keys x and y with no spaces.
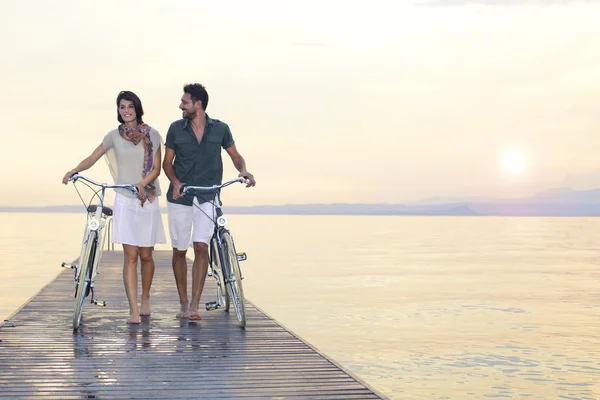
{"x":177,"y":190}
{"x":250,"y":178}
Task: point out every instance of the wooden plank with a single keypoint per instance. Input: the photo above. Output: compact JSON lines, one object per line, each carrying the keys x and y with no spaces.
{"x":163,"y":357}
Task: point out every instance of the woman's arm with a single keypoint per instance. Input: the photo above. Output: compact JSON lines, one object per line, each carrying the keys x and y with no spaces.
{"x":151,"y":177}
{"x":155,"y":171}
{"x":87,"y":163}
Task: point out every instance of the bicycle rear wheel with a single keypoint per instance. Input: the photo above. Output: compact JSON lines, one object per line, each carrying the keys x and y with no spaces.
{"x":222,"y":294}
{"x":236,"y":290}
{"x":85,"y":272}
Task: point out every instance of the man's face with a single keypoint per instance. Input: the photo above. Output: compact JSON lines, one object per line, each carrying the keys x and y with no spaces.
{"x":188,"y":109}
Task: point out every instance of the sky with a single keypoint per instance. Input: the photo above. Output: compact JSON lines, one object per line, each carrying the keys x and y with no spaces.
{"x":328,"y":101}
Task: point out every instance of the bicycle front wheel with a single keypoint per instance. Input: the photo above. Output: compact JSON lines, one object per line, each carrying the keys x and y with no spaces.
{"x":217,"y":269}
{"x":236,"y":291}
{"x":86,"y":265}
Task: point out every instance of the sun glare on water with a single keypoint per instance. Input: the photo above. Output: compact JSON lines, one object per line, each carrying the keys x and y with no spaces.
{"x":513,"y":162}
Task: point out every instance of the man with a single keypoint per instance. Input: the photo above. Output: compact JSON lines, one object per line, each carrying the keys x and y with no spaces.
{"x":193,"y":157}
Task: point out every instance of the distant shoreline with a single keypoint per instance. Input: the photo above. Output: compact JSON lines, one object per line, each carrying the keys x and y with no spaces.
{"x":557,"y":202}
{"x":457,"y":210}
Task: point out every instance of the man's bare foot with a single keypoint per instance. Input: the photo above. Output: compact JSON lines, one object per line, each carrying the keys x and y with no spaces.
{"x":145,"y":310}
{"x":133,"y":318}
{"x":183,"y":312}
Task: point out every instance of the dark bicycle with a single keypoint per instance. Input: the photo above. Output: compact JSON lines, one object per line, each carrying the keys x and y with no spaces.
{"x":223,"y":258}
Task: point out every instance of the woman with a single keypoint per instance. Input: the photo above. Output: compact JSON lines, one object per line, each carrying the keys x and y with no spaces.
{"x":133,"y":153}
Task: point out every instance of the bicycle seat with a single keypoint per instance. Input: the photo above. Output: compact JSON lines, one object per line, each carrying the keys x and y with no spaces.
{"x":105,"y":210}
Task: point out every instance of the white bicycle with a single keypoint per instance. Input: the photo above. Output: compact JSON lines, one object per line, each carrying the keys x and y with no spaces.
{"x":94,"y":235}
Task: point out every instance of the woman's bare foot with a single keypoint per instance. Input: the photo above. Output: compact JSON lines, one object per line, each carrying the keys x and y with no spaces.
{"x":133,"y":318}
{"x":183,"y":312}
{"x":194,"y":315}
{"x":145,"y":310}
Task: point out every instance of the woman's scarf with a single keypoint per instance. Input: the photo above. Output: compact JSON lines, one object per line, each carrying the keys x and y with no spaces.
{"x":141,"y":133}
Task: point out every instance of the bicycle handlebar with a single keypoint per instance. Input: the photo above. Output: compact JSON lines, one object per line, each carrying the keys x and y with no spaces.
{"x":127,"y":186}
{"x":187,"y":188}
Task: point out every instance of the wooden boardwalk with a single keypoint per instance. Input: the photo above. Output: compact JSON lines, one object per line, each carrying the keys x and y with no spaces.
{"x":164,"y":357}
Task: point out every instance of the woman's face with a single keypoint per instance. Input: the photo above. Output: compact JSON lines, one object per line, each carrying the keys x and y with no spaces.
{"x":127,"y":110}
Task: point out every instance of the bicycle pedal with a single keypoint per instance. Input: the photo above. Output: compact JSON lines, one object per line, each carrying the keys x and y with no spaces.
{"x":241,"y":256}
{"x":212,"y":305}
{"x":99,"y":303}
{"x":67,"y":265}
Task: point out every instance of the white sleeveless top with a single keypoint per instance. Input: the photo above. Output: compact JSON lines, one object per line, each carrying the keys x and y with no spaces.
{"x":126,"y":160}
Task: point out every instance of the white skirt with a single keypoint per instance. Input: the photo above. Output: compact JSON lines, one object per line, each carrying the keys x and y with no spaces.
{"x":136,"y":225}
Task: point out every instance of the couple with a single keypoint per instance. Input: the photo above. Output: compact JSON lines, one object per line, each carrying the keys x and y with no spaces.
{"x":192,"y":156}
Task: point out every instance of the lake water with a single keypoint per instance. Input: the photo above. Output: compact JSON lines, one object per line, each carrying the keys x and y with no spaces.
{"x":417,"y":307}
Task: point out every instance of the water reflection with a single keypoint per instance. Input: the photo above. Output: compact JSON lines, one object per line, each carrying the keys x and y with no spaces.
{"x":543,"y":372}
{"x":87,"y":374}
{"x":139,"y":335}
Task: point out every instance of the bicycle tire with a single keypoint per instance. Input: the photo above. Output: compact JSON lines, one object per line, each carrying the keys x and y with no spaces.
{"x":91,"y":266}
{"x":83,"y":286}
{"x":236,"y":291}
{"x":222,"y":293}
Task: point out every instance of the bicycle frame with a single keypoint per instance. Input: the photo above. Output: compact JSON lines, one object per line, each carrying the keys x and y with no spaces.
{"x":96,"y":221}
{"x":220,"y":223}
{"x":220,"y":220}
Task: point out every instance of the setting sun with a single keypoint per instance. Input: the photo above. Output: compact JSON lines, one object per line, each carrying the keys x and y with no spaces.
{"x":513,"y":162}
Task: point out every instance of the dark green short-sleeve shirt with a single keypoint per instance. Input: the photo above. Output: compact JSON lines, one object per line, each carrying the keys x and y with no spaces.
{"x":198,"y":164}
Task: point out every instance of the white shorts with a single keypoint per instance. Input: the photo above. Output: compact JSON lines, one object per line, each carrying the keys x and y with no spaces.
{"x":136,"y":225}
{"x":181,"y":218}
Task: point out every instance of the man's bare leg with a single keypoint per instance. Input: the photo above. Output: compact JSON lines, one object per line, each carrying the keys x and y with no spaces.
{"x":147,"y":276}
{"x":199,"y":271}
{"x":180,"y":272}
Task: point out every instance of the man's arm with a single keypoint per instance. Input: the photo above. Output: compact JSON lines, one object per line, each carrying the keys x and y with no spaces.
{"x":170,"y":172}
{"x":240,"y":164}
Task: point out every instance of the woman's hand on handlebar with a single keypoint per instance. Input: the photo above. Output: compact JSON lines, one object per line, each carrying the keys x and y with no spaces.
{"x":68,"y":176}
{"x":141,"y":190}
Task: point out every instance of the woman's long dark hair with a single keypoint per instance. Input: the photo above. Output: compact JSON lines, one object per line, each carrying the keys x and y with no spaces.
{"x":137,"y":104}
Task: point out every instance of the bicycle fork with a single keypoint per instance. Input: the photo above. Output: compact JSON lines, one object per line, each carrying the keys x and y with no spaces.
{"x":77,"y":277}
{"x":213,"y":305}
{"x":240,"y":257}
